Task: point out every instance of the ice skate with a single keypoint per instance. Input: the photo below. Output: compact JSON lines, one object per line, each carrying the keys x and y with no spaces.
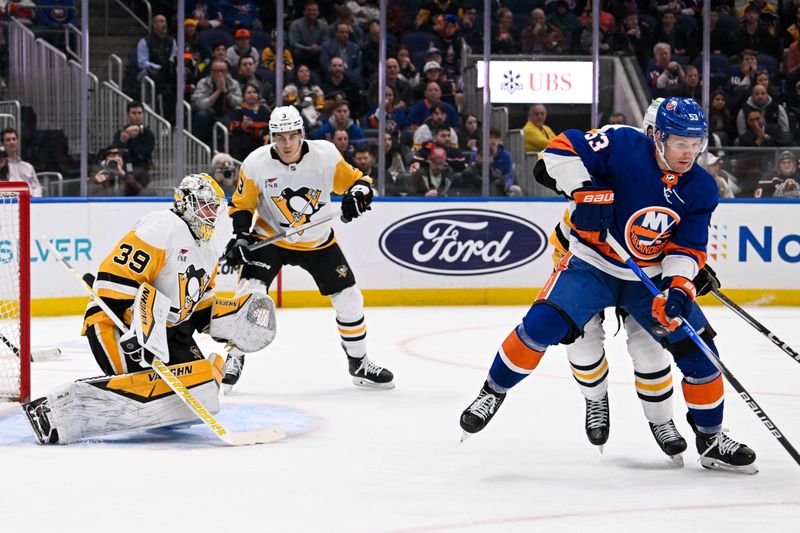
{"x":233,"y":371}
{"x":669,"y":440}
{"x":720,"y":452}
{"x":598,"y":421}
{"x":369,"y":375}
{"x":477,"y":415}
{"x":37,"y":413}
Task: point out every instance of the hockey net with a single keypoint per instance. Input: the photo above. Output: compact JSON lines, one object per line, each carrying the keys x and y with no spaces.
{"x":14,"y":292}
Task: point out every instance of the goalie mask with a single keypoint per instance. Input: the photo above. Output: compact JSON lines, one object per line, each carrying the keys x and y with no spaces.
{"x":198,"y":200}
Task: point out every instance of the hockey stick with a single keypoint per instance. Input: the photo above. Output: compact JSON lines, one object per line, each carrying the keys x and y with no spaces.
{"x":260,"y":436}
{"x":37,"y":356}
{"x":291,"y":231}
{"x":730,"y":304}
{"x":690,"y":331}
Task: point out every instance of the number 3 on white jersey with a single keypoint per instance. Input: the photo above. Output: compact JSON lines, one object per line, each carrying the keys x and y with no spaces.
{"x":597,"y":140}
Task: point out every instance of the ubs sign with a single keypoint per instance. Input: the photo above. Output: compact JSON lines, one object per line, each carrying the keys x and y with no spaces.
{"x":462,"y":242}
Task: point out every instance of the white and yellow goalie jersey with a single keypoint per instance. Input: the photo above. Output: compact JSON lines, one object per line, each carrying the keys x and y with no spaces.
{"x":285,"y":196}
{"x":162,"y":251}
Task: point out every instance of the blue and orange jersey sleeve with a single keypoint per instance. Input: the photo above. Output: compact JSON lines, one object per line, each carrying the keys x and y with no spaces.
{"x":574,"y":158}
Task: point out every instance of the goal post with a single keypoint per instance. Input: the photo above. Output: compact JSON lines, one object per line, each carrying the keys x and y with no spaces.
{"x":15,"y":313}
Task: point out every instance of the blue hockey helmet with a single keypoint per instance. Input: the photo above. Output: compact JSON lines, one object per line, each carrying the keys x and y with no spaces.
{"x":681,"y":116}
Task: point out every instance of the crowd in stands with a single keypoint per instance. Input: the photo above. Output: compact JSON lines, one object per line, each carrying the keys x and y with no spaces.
{"x":330,"y":72}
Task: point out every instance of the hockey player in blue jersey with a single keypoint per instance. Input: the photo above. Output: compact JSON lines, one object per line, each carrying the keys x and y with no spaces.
{"x":652,"y":198}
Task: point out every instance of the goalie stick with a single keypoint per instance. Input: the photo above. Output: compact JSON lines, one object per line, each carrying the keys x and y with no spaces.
{"x":260,"y":436}
{"x":37,"y":356}
{"x":733,"y":306}
{"x":690,"y":331}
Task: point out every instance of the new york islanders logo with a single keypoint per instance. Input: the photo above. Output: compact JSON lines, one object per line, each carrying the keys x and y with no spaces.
{"x":648,"y":231}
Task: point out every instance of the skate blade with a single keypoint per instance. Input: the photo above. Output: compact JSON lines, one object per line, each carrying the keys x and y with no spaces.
{"x":600,"y":449}
{"x":677,"y":459}
{"x":713,"y":464}
{"x":367,"y":384}
{"x":465,"y":435}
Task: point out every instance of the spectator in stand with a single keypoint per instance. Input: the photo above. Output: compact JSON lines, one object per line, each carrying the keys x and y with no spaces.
{"x":435,"y":178}
{"x":449,"y":43}
{"x":441,"y":139}
{"x":504,"y":181}
{"x":542,"y":38}
{"x":307,"y":34}
{"x":205,"y":12}
{"x":218,"y":51}
{"x":363,"y":11}
{"x":773,"y":112}
{"x":339,"y":85}
{"x":434,"y":73}
{"x":424,"y":133}
{"x":792,"y":69}
{"x":215,"y":96}
{"x":469,"y":135}
{"x":505,"y":37}
{"x":742,"y":79}
{"x":364,"y":162}
{"x":792,"y":33}
{"x":690,"y":86}
{"x":754,"y":36}
{"x":723,"y":40}
{"x":223,"y":170}
{"x":408,"y":72}
{"x":762,"y":78}
{"x":191,"y":42}
{"x":671,"y":79}
{"x":720,"y":121}
{"x":341,"y":46}
{"x":668,"y":31}
{"x":403,"y":93}
{"x":138,"y":143}
{"x":433,"y":96}
{"x":472,"y":34}
{"x":394,"y":166}
{"x":19,"y":170}
{"x":563,"y":18}
{"x":537,"y":134}
{"x":344,"y":15}
{"x":618,"y":119}
{"x":155,"y":56}
{"x":607,"y":25}
{"x":113,"y":171}
{"x":662,"y":56}
{"x":430,"y":12}
{"x":396,"y":119}
{"x":241,"y":49}
{"x":239,"y":14}
{"x":246,"y":122}
{"x":341,"y":140}
{"x":633,"y":37}
{"x":269,"y":61}
{"x":767,"y":14}
{"x":340,"y":120}
{"x":786,"y":184}
{"x":759,"y":133}
{"x":370,"y":49}
{"x":246,"y":73}
{"x":307,"y":97}
{"x":725,"y":180}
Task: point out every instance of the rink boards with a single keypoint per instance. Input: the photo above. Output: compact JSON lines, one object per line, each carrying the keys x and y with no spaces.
{"x":422,"y":252}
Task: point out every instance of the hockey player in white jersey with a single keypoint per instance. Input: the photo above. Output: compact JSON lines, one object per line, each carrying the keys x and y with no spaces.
{"x":170,"y":251}
{"x":287,"y":184}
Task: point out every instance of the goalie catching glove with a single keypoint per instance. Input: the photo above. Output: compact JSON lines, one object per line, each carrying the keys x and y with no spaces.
{"x":356,"y":201}
{"x":675,"y":301}
{"x":247,"y":322}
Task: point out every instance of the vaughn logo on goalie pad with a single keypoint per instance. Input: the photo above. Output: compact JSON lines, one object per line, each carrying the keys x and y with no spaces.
{"x":462,"y":242}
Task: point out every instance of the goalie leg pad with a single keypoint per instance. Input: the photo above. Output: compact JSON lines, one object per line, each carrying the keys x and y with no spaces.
{"x":588,"y":360}
{"x":106,"y":405}
{"x":652,"y":369}
{"x":246,"y":321}
{"x":349,"y":305}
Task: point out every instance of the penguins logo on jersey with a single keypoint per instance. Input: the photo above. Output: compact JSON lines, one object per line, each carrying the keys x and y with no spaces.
{"x":648,"y":231}
{"x":192,"y":284}
{"x":298,"y":207}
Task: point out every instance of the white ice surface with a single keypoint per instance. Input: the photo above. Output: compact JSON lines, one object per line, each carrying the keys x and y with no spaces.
{"x":390,"y":461}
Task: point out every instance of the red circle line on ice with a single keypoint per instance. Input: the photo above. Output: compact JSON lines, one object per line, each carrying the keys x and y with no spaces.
{"x":648,"y":231}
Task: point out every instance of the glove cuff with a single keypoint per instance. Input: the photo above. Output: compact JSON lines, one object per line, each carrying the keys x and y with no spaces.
{"x":593,"y":195}
{"x":685,"y":285}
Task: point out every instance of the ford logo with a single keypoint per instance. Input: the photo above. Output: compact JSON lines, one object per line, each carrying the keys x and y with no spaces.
{"x":462,"y":242}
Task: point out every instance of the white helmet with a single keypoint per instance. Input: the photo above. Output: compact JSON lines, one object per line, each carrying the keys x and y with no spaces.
{"x":285,"y":118}
{"x":649,"y":121}
{"x":198,"y":200}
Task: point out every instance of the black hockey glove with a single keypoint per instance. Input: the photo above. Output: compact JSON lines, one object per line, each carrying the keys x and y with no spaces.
{"x":594,"y":210}
{"x":131,"y":347}
{"x":706,"y":280}
{"x":355,"y":201}
{"x":237,"y":251}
